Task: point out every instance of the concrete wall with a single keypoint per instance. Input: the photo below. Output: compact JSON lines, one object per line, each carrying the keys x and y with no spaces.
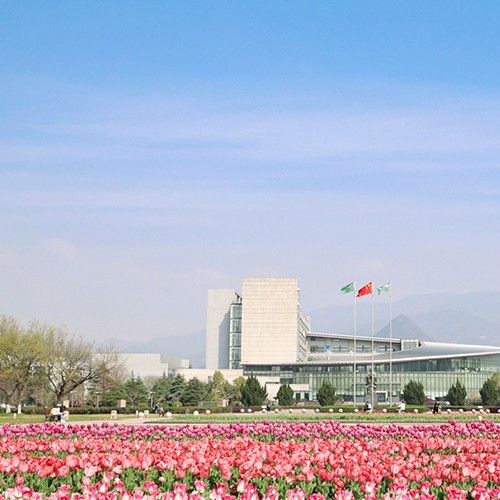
{"x":156,"y":364}
{"x":269,"y":320}
{"x":206,"y":375}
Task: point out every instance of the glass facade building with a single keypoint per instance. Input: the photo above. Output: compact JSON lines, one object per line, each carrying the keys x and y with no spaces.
{"x":436,"y":365}
{"x":235,"y":336}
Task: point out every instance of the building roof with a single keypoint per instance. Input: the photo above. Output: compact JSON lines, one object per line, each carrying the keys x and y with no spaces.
{"x":426,"y":351}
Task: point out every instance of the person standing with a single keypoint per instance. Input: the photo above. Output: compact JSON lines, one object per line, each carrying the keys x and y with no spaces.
{"x":435,"y":410}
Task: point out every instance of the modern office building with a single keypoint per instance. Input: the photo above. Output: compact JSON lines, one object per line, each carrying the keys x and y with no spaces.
{"x":264,"y":331}
{"x":331,"y":357}
{"x":264,"y":323}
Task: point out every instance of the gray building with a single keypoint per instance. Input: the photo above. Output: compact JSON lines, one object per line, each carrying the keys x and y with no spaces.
{"x":152,"y":364}
{"x":221,"y":305}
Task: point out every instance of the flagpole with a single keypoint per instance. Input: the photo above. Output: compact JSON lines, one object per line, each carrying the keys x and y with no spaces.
{"x":390,"y":342}
{"x":354,"y":371}
{"x":373,"y":347}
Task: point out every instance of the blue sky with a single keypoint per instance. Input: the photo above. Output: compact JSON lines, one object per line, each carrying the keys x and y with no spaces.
{"x":152,"y":150}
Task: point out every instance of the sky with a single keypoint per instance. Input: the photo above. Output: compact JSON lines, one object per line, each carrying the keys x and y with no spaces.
{"x":152,"y":150}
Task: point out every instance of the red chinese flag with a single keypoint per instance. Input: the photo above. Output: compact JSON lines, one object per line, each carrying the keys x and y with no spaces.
{"x":366,"y":290}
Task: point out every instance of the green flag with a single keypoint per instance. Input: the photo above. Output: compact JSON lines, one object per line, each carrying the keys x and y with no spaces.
{"x":348,"y":288}
{"x":384,"y":288}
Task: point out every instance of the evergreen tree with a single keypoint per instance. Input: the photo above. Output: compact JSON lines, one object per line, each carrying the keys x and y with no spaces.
{"x":136,"y":393}
{"x":495,"y":378}
{"x":111,"y":398}
{"x":457,"y":394}
{"x":489,"y":393}
{"x":176,"y":389}
{"x":161,"y":389}
{"x":413,"y":393}
{"x":285,"y":395}
{"x":193,"y":393}
{"x":326,"y":394}
{"x":252,"y":393}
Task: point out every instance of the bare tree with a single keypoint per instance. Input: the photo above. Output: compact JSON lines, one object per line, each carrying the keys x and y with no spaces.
{"x":150,"y":381}
{"x":72,"y":361}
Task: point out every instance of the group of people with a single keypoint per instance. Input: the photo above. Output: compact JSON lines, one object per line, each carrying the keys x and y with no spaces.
{"x":158,"y":409}
{"x":368,"y":408}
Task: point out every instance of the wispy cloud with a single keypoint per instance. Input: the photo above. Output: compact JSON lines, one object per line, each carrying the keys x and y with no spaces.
{"x":183,"y":133}
{"x":118,"y":212}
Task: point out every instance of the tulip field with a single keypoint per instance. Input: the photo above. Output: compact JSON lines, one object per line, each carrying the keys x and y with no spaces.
{"x":262,"y":460}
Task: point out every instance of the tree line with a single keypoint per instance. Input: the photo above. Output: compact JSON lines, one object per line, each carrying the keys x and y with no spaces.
{"x":168,"y":392}
{"x":414,"y":393}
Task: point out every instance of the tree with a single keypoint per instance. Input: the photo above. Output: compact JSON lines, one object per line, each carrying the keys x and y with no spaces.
{"x":489,"y":393}
{"x":326,"y":394}
{"x":22,"y":355}
{"x":217,"y":387}
{"x":109,"y":398}
{"x":234,"y":389}
{"x":176,"y":389}
{"x":72,"y":361}
{"x":413,"y":393}
{"x":285,"y":395}
{"x":495,"y":378}
{"x":252,"y":393}
{"x":135,"y":391}
{"x":193,"y":393}
{"x":457,"y":394}
{"x":106,"y":390}
{"x":161,"y":389}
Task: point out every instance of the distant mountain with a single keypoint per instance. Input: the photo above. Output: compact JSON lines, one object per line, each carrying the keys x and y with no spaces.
{"x":191,"y":346}
{"x":455,"y":326}
{"x":403,"y":328}
{"x":472,"y":318}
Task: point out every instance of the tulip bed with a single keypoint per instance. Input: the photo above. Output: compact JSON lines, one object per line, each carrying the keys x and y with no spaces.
{"x":250,"y":461}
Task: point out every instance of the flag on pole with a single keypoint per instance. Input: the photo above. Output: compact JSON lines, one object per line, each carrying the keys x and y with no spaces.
{"x":348,"y":288}
{"x":366,"y":290}
{"x":384,"y":288}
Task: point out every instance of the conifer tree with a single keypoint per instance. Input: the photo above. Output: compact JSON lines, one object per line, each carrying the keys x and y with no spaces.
{"x":457,"y":394}
{"x":161,"y":389}
{"x":326,"y":394}
{"x":285,"y":395}
{"x":413,"y":393}
{"x":489,"y":393}
{"x":176,"y":389}
{"x":135,"y":391}
{"x":252,"y":393}
{"x":192,"y":393}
